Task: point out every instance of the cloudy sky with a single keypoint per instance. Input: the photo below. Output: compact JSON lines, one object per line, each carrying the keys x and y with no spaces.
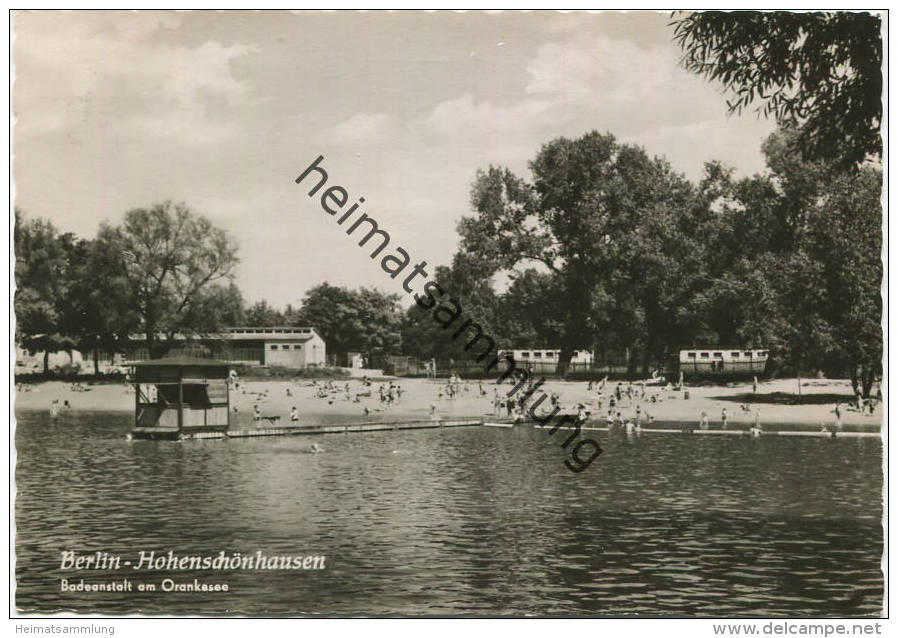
{"x":224,"y":110}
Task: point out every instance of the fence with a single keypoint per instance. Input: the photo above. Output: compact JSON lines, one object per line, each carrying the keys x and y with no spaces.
{"x":235,"y":355}
{"x":413,"y":367}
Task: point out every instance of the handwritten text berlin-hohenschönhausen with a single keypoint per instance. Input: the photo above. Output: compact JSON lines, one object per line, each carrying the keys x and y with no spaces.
{"x":152,"y":560}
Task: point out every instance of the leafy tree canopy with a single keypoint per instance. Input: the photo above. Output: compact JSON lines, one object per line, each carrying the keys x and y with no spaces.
{"x":819,"y":71}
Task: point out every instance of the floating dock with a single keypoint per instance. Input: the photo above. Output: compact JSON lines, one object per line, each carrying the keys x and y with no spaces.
{"x":331,"y":428}
{"x":832,"y":434}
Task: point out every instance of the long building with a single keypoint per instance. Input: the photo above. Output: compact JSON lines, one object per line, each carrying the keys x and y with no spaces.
{"x":546,"y":355}
{"x":286,"y":346}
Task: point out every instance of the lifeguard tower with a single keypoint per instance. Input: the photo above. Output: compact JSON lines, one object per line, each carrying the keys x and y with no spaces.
{"x":180,"y":398}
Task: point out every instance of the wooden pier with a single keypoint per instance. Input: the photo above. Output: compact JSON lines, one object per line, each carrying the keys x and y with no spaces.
{"x":335,"y":428}
{"x":831,"y":434}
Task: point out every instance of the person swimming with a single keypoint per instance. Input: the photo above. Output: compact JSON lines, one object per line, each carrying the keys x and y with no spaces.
{"x":703,"y":424}
{"x":756,"y":429}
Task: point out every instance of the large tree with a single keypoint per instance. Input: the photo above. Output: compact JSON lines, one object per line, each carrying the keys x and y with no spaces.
{"x":99,"y":306}
{"x":792,"y":264}
{"x":42,"y":282}
{"x":263,"y":314}
{"x":364,"y":320}
{"x":172,"y":257}
{"x":593,"y":217}
{"x":469,"y":290}
{"x":821,"y":72}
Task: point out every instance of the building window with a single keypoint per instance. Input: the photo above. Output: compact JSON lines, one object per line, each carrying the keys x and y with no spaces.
{"x":691,"y":355}
{"x":537,"y":355}
{"x":735,"y":355}
{"x":705,"y":355}
{"x":525,"y":355}
{"x":719,"y":355}
{"x":274,"y":347}
{"x":748,"y":353}
{"x":297,"y":347}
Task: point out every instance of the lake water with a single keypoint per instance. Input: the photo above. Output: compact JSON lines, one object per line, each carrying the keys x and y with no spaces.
{"x":467,"y":521}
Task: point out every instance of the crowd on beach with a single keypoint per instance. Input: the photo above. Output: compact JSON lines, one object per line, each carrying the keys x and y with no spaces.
{"x":629,"y":405}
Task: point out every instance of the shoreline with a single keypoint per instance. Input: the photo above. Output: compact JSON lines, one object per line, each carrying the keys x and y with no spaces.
{"x":276,"y":398}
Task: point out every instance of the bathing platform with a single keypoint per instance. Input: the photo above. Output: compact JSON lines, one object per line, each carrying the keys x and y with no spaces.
{"x":330,"y":428}
{"x":829,"y":434}
{"x":375,"y":426}
{"x":340,"y":428}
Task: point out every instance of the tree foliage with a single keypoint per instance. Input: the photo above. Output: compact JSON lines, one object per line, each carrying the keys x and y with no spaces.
{"x":364,"y":320}
{"x":171,"y":258}
{"x":42,"y":283}
{"x":819,"y":71}
{"x":603,"y":219}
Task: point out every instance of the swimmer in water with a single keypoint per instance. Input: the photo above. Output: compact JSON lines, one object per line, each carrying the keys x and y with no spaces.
{"x":315,"y":449}
{"x":704,"y":422}
{"x":756,"y":429}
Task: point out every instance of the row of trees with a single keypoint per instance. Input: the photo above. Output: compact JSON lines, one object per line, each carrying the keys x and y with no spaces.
{"x":604,"y":248}
{"x":166,"y":274}
{"x":609,"y":249}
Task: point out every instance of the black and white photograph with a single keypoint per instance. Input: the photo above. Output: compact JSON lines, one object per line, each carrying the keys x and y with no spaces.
{"x":449,"y":314}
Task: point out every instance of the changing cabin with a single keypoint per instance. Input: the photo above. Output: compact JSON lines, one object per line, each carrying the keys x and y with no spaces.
{"x":723,"y":362}
{"x":180,"y":398}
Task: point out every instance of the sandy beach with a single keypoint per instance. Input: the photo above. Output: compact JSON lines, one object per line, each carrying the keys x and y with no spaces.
{"x":774,"y":399}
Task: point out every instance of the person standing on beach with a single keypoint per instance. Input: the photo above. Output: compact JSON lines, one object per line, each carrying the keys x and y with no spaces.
{"x":704,"y":422}
{"x":294,"y":415}
{"x":754,"y":385}
{"x":838,"y":412}
{"x":723,"y":418}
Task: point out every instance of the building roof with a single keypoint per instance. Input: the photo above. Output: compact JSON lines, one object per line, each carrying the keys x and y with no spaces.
{"x":280,"y":333}
{"x":287,"y":333}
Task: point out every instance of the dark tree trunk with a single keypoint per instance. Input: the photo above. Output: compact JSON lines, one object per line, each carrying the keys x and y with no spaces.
{"x":46,"y":360}
{"x":867,"y":381}
{"x":97,"y":361}
{"x":631,"y":363}
{"x":151,"y":341}
{"x":564,"y":359}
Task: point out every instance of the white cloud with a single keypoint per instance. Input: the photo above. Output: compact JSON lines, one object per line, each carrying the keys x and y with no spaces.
{"x":361,"y":129}
{"x":118,"y":72}
{"x":465,"y":116}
